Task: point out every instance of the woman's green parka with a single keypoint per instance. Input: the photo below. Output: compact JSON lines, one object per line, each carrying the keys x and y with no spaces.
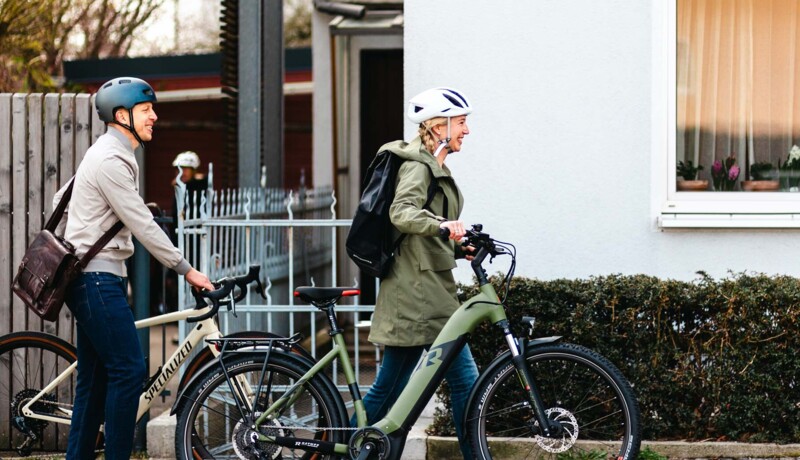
{"x":418,"y":295}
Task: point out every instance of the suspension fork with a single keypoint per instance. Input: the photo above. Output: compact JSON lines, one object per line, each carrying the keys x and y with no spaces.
{"x":550,"y":428}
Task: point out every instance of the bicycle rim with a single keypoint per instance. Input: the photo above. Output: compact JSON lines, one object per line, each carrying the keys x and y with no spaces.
{"x":28,"y":362}
{"x":212,"y":425}
{"x":580,"y":389}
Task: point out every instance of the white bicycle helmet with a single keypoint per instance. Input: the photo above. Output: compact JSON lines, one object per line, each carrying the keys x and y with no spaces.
{"x":437,"y":102}
{"x":187,"y":159}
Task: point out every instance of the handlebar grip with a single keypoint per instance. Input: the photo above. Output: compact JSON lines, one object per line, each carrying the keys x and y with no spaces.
{"x":201,"y":303}
{"x":224,"y":288}
{"x":444,"y":232}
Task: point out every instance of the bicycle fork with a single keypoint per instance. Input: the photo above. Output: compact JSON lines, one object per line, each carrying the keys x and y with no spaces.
{"x":550,"y":428}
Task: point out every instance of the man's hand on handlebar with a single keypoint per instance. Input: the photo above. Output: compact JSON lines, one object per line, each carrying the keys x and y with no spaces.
{"x":199,"y":280}
{"x":455,"y":227}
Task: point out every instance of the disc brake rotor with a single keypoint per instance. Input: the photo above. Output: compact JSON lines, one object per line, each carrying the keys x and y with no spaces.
{"x":569,"y":435}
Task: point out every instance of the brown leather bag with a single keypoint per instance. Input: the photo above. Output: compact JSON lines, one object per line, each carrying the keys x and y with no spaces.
{"x":50,"y":265}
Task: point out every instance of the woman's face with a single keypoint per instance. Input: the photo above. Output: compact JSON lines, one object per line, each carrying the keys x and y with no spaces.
{"x":458,"y":129}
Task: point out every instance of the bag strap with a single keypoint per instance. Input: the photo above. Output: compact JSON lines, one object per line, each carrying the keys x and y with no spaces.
{"x":55,"y":218}
{"x":101,"y":243}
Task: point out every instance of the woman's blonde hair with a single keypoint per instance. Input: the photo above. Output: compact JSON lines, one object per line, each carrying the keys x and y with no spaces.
{"x":426,"y":132}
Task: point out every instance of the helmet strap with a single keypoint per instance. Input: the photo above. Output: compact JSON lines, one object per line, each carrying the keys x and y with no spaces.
{"x":130,"y":127}
{"x":442,"y":142}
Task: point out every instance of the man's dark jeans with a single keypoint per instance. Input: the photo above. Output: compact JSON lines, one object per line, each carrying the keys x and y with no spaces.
{"x":111,"y":367}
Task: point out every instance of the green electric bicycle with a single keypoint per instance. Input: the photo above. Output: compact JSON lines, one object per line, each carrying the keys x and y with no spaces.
{"x":539,"y":399}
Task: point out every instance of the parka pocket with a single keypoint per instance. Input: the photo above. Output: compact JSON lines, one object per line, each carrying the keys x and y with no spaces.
{"x":436,"y":261}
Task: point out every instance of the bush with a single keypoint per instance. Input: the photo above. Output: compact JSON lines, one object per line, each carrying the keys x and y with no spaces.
{"x":708,"y":359}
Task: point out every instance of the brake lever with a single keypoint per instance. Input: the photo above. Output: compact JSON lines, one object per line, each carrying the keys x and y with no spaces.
{"x":232,"y":307}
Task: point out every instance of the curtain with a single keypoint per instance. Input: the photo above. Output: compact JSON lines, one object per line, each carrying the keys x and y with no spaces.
{"x":737,"y":84}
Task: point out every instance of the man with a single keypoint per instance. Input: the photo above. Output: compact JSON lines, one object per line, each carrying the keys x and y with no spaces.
{"x":111,"y":367}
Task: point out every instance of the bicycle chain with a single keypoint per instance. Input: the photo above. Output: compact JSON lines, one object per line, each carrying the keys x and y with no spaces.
{"x":308,"y":428}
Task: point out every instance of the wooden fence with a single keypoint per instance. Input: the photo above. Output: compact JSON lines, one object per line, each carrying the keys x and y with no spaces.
{"x":43,"y":138}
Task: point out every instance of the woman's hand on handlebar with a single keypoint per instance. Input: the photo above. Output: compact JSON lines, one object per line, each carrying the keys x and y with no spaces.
{"x":455,"y":227}
{"x":199,"y":280}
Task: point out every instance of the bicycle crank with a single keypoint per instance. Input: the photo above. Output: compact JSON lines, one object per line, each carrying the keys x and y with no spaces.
{"x":369,"y":443}
{"x":568,"y":433}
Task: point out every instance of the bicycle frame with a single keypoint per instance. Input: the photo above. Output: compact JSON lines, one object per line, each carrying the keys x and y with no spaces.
{"x":203,"y":329}
{"x":425,"y":379}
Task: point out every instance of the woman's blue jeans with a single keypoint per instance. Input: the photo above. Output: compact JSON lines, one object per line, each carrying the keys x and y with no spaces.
{"x":398,"y":365}
{"x":111,"y":368}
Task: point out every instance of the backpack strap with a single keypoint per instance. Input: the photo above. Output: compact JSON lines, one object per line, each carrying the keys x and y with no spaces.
{"x":55,"y":218}
{"x":433,"y":187}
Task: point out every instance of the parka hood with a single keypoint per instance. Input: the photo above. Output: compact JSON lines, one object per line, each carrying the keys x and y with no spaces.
{"x":415,"y":151}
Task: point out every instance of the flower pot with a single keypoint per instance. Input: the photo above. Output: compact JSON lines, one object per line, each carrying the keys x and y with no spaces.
{"x":760,"y":185}
{"x":692,"y":185}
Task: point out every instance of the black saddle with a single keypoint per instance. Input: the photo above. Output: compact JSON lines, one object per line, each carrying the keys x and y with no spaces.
{"x":322,"y":296}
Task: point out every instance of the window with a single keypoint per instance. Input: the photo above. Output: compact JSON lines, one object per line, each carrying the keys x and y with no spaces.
{"x":734,"y":113}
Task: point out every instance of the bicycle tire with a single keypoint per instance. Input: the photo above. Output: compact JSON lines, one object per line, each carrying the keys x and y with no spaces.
{"x":28,"y":362}
{"x":583,"y":390}
{"x":211,"y":426}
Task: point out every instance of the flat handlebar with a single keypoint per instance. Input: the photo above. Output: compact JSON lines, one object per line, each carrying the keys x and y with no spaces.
{"x":225,"y":287}
{"x":484,"y":247}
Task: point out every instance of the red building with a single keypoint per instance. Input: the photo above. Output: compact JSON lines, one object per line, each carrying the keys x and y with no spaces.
{"x":195,"y":113}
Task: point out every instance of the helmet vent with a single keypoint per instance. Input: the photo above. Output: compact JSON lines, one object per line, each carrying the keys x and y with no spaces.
{"x":455,"y":101}
{"x":462,"y":98}
{"x":417,"y":109}
{"x":124,"y":81}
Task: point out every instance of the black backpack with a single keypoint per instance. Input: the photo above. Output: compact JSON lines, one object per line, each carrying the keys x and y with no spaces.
{"x":370,"y":243}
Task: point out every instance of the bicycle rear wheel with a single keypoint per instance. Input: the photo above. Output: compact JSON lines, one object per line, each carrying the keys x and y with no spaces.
{"x":28,"y":362}
{"x":582,"y":390}
{"x":211,"y":425}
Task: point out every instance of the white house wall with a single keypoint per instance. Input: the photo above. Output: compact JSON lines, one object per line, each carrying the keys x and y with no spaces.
{"x":565,"y":153}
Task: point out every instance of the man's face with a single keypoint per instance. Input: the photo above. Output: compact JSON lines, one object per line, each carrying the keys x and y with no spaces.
{"x":144,"y":118}
{"x":187,"y":174}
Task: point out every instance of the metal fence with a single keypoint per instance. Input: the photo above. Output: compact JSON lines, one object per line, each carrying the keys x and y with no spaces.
{"x":294,"y":236}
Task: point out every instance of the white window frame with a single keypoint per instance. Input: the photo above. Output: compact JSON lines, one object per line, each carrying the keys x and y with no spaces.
{"x":675,"y":209}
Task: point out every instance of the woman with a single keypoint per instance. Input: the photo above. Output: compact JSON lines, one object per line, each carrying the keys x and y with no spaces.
{"x":418,"y":295}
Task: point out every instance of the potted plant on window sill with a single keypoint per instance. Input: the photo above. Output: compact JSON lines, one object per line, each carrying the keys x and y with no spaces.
{"x":789,"y":172}
{"x":762,"y":178}
{"x":725,"y":173}
{"x":688,"y":172}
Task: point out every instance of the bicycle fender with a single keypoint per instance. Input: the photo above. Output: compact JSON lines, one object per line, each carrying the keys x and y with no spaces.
{"x":543,"y":340}
{"x":214,"y":362}
{"x":501,"y":360}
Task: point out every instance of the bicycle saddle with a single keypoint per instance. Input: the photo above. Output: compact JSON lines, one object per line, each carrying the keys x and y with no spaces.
{"x":324,"y":295}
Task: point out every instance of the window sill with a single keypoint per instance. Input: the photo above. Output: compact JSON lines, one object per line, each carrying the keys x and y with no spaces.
{"x":728,"y":220}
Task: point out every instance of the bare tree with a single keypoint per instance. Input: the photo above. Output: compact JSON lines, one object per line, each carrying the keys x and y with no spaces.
{"x":36,"y":36}
{"x":297,"y":23}
{"x":21,"y":64}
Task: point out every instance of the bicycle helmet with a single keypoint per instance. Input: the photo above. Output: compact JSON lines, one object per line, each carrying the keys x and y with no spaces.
{"x":438,"y":102}
{"x":187,"y":159}
{"x":123,"y":92}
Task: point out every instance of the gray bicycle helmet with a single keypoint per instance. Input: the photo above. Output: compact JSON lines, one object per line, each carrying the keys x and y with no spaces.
{"x":123,"y":92}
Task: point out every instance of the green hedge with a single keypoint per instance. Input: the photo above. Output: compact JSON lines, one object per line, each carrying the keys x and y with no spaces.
{"x":709,"y":359}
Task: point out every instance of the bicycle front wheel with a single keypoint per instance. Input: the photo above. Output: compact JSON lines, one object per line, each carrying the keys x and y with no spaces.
{"x":29,"y":361}
{"x":215,"y":419}
{"x":581,"y":390}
